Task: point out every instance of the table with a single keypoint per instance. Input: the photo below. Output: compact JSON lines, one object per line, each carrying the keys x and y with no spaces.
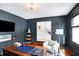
{"x":11,"y":50}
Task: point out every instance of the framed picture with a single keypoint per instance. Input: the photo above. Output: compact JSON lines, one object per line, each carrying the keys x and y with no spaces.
{"x":5,"y":37}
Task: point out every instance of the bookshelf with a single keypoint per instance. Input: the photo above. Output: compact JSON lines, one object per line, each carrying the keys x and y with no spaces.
{"x":28,"y":37}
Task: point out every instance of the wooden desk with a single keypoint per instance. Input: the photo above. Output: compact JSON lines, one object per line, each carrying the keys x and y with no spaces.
{"x":11,"y":50}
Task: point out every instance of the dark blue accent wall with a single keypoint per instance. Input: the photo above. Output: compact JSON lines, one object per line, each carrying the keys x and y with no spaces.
{"x":57,"y":23}
{"x":74,"y":47}
{"x":20,"y":28}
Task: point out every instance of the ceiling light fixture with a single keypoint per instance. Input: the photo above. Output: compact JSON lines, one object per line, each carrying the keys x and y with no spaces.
{"x":32,"y":7}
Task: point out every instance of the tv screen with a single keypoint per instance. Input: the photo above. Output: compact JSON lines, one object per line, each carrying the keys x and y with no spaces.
{"x":6,"y":26}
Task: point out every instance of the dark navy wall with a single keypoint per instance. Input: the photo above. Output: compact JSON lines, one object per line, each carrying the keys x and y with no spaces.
{"x":57,"y":23}
{"x":20,"y":27}
{"x":74,"y":47}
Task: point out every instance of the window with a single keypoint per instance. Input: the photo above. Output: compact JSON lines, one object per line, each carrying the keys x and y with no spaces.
{"x":75,"y":21}
{"x":75,"y":29}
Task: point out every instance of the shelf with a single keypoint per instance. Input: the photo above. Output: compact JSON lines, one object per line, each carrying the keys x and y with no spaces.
{"x":28,"y":33}
{"x":28,"y":37}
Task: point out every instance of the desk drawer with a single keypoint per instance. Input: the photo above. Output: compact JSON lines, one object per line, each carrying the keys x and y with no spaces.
{"x":7,"y":53}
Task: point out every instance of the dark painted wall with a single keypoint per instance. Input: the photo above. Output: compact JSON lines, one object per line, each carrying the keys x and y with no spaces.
{"x":74,"y":47}
{"x":20,"y":27}
{"x":57,"y":23}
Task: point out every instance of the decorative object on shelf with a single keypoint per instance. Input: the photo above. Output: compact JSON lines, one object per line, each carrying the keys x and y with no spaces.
{"x":28,"y":36}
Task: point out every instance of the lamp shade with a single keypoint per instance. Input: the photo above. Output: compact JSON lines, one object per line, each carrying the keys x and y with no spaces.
{"x":59,"y":31}
{"x":29,"y":31}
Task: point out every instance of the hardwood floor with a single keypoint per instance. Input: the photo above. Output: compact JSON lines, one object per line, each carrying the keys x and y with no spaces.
{"x":66,"y":51}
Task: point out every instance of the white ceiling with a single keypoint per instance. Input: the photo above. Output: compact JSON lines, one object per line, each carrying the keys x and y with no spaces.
{"x":44,"y":9}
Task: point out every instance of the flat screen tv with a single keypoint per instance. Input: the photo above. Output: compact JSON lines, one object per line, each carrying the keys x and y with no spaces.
{"x":6,"y":26}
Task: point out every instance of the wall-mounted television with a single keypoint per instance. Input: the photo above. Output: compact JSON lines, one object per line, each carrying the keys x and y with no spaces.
{"x":6,"y":26}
